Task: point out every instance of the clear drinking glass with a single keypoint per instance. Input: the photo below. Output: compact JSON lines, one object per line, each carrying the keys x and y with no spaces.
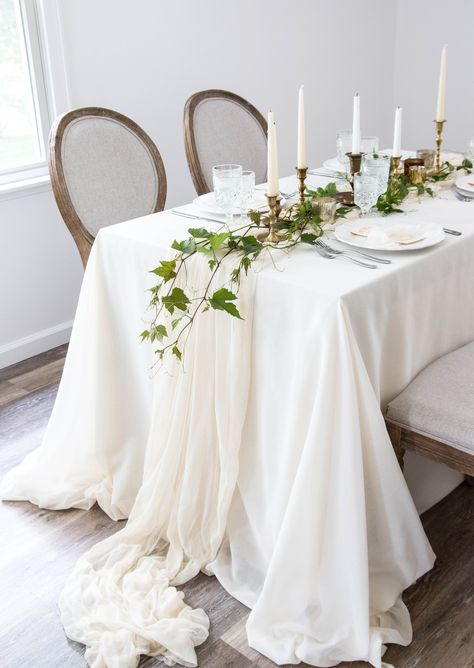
{"x":379,"y":167}
{"x":366,"y":192}
{"x":470,"y":149}
{"x":343,"y":145}
{"x":227,"y":181}
{"x":247,"y":191}
{"x":368,"y":144}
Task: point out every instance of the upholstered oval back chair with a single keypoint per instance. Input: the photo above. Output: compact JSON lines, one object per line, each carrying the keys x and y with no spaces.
{"x":221,"y":127}
{"x":104,"y":170}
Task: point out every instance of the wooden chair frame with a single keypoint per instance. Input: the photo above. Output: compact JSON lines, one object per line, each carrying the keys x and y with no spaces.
{"x":192,"y":156}
{"x":81,"y":235}
{"x":404,"y":439}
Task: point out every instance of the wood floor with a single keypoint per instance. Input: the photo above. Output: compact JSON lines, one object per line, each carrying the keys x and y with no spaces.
{"x":38,"y":549}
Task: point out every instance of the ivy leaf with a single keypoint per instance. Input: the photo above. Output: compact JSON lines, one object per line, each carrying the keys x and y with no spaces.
{"x":145,"y":335}
{"x":245,"y":264}
{"x":250,"y":244}
{"x":185,"y":246}
{"x":176,"y":299}
{"x":199,"y":232}
{"x":212,"y":263}
{"x":166,"y":270}
{"x":158,"y":332}
{"x":218,"y":239}
{"x":309,"y":239}
{"x":176,"y":352}
{"x":175,"y":323}
{"x":222,"y":300}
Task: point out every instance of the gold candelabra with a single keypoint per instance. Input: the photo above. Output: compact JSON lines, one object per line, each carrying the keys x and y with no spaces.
{"x":439,"y":141}
{"x":271,"y":236}
{"x":301,"y":176}
{"x":395,"y":166}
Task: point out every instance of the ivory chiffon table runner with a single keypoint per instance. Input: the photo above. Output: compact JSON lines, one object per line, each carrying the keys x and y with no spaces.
{"x":266,"y":463}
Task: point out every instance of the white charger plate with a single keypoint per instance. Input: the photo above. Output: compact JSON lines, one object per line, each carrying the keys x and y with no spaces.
{"x":463,"y":183}
{"x":207,"y":203}
{"x":432,"y":234}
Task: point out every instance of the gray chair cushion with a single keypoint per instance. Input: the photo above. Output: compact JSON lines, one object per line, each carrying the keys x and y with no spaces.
{"x":109,"y":172}
{"x":439,"y":402}
{"x":226,"y":132}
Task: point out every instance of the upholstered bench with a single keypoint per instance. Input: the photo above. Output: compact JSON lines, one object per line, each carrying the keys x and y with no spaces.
{"x":434,"y":415}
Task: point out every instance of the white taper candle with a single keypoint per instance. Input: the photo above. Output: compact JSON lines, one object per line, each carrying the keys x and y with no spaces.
{"x":356,"y":124}
{"x":273,"y":187}
{"x":397,"y":133}
{"x":442,"y":86}
{"x":301,"y":154}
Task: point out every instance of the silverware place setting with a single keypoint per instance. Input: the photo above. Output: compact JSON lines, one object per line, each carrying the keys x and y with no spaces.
{"x":348,"y":252}
{"x":191,"y":216}
{"x":328,"y":255}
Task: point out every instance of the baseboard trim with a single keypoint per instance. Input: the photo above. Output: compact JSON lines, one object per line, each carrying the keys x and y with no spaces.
{"x":39,"y":342}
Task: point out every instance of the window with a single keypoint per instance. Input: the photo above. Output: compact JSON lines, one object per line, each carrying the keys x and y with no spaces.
{"x":25,"y":116}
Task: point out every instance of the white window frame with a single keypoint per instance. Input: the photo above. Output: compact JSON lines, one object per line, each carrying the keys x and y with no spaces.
{"x":43,"y":37}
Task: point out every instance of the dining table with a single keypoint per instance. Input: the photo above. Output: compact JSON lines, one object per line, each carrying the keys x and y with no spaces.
{"x":263,"y":458}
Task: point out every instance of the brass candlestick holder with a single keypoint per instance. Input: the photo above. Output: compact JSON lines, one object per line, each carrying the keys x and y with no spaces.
{"x":355,"y":161}
{"x":439,"y":141}
{"x":301,"y":176}
{"x":395,"y":166}
{"x":271,"y":236}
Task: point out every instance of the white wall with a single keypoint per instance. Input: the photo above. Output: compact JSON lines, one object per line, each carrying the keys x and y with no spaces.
{"x":423,"y":27}
{"x":144,"y":59}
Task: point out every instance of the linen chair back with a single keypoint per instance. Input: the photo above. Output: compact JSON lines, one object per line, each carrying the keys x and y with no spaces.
{"x":104,"y":170}
{"x":221,"y":127}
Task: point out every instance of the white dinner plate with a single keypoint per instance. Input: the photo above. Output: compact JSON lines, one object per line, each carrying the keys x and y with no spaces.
{"x":386,"y":234}
{"x":465,"y":184}
{"x":207,"y":203}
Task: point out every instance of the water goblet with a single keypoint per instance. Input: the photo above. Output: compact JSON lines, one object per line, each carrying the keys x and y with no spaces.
{"x":379,"y":167}
{"x":366,"y":192}
{"x":247,"y":191}
{"x":227,"y":184}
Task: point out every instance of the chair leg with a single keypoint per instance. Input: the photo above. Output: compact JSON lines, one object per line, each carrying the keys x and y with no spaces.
{"x":395,"y":434}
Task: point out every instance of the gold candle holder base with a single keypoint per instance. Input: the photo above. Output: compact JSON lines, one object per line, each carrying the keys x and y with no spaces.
{"x":439,"y":141}
{"x":395,"y":166}
{"x":355,"y":161}
{"x":301,"y":176}
{"x":271,"y":236}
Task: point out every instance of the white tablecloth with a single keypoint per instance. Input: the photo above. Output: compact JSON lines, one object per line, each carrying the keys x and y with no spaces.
{"x":322,"y":535}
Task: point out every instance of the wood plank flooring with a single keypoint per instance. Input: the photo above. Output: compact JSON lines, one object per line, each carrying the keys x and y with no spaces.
{"x":39,"y":547}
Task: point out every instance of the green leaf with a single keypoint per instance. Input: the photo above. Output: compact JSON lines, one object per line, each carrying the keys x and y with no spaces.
{"x":245,"y":264}
{"x":199,"y":232}
{"x":176,"y":299}
{"x":166,"y":270}
{"x":176,"y":352}
{"x":185,"y":246}
{"x":218,"y":239}
{"x":309,"y":238}
{"x":145,"y":335}
{"x":158,"y":332}
{"x":250,"y":244}
{"x":175,"y":323}
{"x":222,"y":300}
{"x":212,"y":263}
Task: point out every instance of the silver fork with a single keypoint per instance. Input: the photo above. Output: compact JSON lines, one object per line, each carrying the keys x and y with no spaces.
{"x":337,"y":251}
{"x":332,"y":256}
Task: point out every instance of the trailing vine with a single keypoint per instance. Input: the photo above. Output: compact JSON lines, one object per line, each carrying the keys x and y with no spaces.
{"x":175,"y":308}
{"x":299,"y":224}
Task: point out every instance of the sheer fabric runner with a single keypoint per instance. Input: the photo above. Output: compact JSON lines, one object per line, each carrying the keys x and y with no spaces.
{"x":120,"y":600}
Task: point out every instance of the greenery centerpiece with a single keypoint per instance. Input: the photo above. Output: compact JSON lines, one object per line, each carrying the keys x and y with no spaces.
{"x":175,"y":308}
